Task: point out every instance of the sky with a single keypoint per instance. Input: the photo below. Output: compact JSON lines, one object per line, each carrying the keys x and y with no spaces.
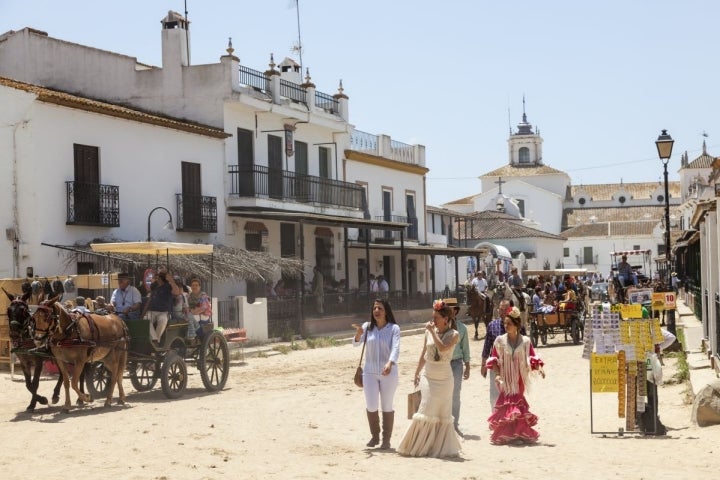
{"x":600,"y":79}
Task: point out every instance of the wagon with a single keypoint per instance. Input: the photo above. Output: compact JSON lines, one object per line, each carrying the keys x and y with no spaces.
{"x":167,"y":362}
{"x":565,"y":321}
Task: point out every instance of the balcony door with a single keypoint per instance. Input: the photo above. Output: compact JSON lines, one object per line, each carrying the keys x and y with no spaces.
{"x":191,"y":196}
{"x":302,"y":185}
{"x":246,"y":162}
{"x":387,"y":210}
{"x":275,"y":167}
{"x":86,"y":191}
{"x":324,"y":172}
{"x":412,"y":229}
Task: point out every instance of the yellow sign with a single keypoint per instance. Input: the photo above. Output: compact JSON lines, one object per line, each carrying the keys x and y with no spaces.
{"x":604,"y":372}
{"x":663,"y":301}
{"x":631,"y":311}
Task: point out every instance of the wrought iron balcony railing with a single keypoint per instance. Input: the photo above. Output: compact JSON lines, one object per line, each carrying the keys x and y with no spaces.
{"x":196,"y":213}
{"x":411,"y":232}
{"x":262,"y":182}
{"x":92,"y":204}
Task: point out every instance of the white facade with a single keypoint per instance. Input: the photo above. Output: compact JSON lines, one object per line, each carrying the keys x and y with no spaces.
{"x":144,"y":160}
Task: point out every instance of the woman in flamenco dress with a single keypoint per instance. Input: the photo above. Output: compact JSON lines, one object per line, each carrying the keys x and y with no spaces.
{"x":513,"y":359}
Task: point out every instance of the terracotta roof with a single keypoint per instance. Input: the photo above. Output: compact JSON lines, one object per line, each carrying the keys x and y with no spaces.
{"x":73,"y":101}
{"x":494,"y":228}
{"x":518,"y":171}
{"x":703,"y":161}
{"x":493,"y":215}
{"x":606,"y":191}
{"x":442,"y":211}
{"x":612,"y":229}
{"x":462,"y":201}
{"x":579,"y":216}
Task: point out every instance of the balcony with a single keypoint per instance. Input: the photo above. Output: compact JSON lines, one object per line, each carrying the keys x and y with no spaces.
{"x":92,"y":204}
{"x":262,"y":182}
{"x":196,"y":213}
{"x":384,"y":146}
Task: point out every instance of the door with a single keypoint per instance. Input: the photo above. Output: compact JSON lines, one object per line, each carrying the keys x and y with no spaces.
{"x":302,"y":187}
{"x":412,"y":230}
{"x":412,"y":276}
{"x":324,"y":173}
{"x":387,"y":210}
{"x":246,"y":163}
{"x":191,"y":196}
{"x":86,"y":191}
{"x":287,"y":239}
{"x":275,"y":167}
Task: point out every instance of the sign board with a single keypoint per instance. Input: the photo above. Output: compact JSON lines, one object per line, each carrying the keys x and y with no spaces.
{"x":641,"y":295}
{"x":664,"y":300}
{"x":604,"y":372}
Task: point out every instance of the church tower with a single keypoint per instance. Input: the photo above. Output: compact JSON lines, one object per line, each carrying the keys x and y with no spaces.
{"x":525,"y":145}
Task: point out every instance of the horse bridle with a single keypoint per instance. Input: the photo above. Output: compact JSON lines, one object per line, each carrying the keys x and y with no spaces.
{"x":46,"y":332}
{"x":16,"y":333}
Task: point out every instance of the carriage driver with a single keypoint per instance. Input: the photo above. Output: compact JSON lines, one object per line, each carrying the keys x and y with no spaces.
{"x":126,"y":299}
{"x":516,"y":283}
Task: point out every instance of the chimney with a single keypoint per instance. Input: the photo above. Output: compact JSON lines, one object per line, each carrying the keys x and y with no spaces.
{"x":175,"y":41}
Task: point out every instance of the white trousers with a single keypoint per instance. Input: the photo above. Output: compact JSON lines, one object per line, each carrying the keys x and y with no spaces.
{"x":161,"y":318}
{"x":380,"y":386}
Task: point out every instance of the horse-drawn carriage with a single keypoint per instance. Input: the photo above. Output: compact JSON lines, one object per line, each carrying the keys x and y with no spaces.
{"x":167,"y":362}
{"x":566,"y":318}
{"x":102,"y":346}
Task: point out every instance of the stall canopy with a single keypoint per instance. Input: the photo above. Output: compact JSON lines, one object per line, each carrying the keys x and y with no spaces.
{"x":153,"y":248}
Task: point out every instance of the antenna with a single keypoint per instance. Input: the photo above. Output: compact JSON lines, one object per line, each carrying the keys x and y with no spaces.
{"x":509,"y":124}
{"x":299,"y":45}
{"x":187,"y":33}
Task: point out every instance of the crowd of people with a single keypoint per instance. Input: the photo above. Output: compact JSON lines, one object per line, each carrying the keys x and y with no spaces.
{"x":443,"y":364}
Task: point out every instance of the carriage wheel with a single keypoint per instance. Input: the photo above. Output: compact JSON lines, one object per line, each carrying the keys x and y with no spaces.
{"x":143,"y":374}
{"x":97,"y":380}
{"x":214,"y":362}
{"x":174,"y":376}
{"x":575,"y":330}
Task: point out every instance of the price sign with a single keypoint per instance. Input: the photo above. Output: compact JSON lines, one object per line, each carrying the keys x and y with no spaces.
{"x":670,"y":300}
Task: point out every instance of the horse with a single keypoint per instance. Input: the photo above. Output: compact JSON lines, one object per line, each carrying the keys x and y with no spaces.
{"x":504,"y":292}
{"x":18,"y":313}
{"x":81,"y":339}
{"x":480,"y":308}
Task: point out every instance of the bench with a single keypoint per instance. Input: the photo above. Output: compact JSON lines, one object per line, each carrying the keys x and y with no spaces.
{"x":237,"y":336}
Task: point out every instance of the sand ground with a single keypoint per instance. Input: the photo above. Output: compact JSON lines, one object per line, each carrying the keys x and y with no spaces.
{"x":298,"y":415}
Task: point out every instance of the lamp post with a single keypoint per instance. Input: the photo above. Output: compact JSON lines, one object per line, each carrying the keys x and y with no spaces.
{"x":168,"y":225}
{"x":664,"y":145}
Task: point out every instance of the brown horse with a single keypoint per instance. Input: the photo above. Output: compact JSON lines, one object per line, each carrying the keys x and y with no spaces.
{"x":480,"y":308}
{"x":79,"y":339}
{"x":18,"y":313}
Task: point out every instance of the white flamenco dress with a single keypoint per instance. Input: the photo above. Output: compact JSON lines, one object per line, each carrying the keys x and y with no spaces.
{"x":432,"y":433}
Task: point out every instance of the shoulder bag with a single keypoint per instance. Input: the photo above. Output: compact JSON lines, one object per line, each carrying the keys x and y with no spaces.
{"x":359,"y":372}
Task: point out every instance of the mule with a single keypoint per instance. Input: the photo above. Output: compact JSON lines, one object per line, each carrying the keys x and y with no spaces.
{"x":504,"y":292}
{"x":18,"y":313}
{"x":480,"y":308}
{"x":81,"y":339}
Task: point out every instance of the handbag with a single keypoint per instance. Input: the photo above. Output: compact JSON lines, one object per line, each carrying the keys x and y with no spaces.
{"x":414,"y":399}
{"x":359,"y":372}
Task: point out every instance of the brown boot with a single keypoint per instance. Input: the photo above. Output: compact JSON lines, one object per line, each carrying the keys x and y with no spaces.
{"x":374,"y":422}
{"x":388,"y":420}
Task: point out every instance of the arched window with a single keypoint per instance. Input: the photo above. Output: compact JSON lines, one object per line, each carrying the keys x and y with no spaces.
{"x":524,"y":155}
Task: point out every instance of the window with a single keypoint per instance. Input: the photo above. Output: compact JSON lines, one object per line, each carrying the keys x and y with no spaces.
{"x":301,"y":158}
{"x":661,"y":198}
{"x":524,"y":155}
{"x":86,"y":193}
{"x":566,"y":251}
{"x":191,"y":196}
{"x":521,"y":206}
{"x":275,"y":166}
{"x":324,"y":159}
{"x":287,"y":239}
{"x":622,"y":199}
{"x":582,"y":201}
{"x":412,"y":230}
{"x":636,"y":247}
{"x":246,"y":161}
{"x":587,"y":255}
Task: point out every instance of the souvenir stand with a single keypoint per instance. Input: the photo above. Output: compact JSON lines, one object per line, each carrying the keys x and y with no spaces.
{"x":620,"y":343}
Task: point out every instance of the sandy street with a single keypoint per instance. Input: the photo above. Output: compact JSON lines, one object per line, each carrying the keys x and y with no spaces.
{"x":300,"y":416}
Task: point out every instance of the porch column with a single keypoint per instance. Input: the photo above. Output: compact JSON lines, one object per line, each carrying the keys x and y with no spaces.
{"x":403,"y":267}
{"x":432,"y":275}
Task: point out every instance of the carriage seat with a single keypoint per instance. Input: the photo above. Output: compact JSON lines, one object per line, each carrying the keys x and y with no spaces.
{"x":237,"y":336}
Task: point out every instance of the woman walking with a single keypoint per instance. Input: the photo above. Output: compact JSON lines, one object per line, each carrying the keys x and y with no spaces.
{"x":380,"y":373}
{"x":432,"y":433}
{"x":513,"y":358}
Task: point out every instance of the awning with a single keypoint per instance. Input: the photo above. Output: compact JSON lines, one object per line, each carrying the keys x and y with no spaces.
{"x":497,"y":251}
{"x":153,"y":248}
{"x":318,"y":219}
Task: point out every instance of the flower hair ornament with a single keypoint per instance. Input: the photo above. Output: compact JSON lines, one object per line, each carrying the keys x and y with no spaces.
{"x":514,"y":312}
{"x":438,"y":305}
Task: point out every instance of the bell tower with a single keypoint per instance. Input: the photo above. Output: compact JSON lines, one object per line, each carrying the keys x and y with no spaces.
{"x":525,"y":145}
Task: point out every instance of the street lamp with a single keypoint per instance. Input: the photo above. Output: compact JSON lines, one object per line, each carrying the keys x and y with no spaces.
{"x":168,"y":225}
{"x":664,"y":145}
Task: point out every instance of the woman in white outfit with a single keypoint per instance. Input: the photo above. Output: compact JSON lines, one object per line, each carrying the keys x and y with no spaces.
{"x":380,"y":373}
{"x":432,"y":433}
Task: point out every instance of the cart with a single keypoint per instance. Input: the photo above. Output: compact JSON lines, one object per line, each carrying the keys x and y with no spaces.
{"x":167,"y":362}
{"x":567,"y":321}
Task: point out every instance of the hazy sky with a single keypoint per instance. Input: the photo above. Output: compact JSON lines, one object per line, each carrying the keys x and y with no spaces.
{"x":601,"y":79}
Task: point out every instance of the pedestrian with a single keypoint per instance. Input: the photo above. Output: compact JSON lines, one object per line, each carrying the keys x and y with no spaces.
{"x":318,"y":290}
{"x":381,"y":336}
{"x":383,"y":286}
{"x":513,"y":358}
{"x":460,"y":363}
{"x":494,"y":329}
{"x":431,"y":433}
{"x":162,"y":290}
